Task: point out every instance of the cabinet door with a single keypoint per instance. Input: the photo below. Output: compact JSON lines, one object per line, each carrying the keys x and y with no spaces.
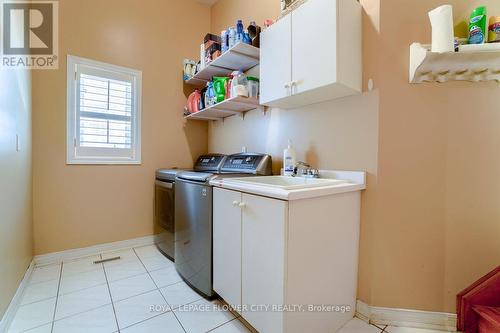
{"x":263,"y":261}
{"x":275,"y":61}
{"x":227,"y":245}
{"x":314,"y":40}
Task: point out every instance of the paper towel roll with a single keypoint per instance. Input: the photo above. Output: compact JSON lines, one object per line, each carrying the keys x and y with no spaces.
{"x":442,"y":29}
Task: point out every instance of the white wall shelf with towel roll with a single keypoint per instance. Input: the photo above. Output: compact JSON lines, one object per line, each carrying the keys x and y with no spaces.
{"x":472,"y":63}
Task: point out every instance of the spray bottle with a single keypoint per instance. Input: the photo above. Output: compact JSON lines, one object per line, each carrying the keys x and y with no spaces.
{"x":289,"y":159}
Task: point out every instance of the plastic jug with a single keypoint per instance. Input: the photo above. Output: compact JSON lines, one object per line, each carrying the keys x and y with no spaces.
{"x":220,"y":86}
{"x":193,"y":102}
{"x":239,"y":84}
{"x":210,"y":98}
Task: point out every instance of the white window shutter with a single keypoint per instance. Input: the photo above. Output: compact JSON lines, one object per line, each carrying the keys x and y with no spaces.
{"x":103,"y":113}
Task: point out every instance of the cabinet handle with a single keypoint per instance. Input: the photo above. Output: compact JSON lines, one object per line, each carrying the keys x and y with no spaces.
{"x":242,"y":205}
{"x":288,"y":85}
{"x":236,"y":203}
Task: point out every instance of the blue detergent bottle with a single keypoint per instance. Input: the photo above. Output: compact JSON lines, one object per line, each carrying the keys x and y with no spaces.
{"x":210,"y":97}
{"x":239,"y":31}
{"x":247,"y":39}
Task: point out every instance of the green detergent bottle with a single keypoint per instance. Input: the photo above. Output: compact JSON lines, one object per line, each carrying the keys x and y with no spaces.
{"x":477,"y":26}
{"x":220,"y":86}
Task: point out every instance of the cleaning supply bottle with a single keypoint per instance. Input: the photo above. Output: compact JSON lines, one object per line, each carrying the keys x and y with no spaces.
{"x":239,"y":31}
{"x":223,"y":38}
{"x":246,"y":38}
{"x":494,"y":29}
{"x":231,"y":37}
{"x":477,"y":26}
{"x":289,"y":159}
{"x":239,"y":84}
{"x":220,"y":84}
{"x":210,"y":96}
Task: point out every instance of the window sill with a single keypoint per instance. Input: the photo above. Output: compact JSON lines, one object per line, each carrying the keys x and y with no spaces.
{"x":102,"y":162}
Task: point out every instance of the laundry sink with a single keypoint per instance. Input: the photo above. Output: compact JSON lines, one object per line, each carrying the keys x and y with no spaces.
{"x":284,"y":182}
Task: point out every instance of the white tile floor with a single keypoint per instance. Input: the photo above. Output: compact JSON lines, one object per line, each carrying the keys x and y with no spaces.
{"x":80,"y":296}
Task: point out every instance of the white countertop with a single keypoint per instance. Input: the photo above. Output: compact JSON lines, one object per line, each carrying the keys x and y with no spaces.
{"x":355,"y":181}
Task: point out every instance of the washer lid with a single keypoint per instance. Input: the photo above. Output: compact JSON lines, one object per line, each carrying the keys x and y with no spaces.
{"x":168,"y":174}
{"x":195,"y":176}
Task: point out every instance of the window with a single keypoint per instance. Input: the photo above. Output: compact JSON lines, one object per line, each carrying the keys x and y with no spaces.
{"x":104,"y":113}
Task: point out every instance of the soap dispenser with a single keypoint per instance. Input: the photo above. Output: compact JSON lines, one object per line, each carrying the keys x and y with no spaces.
{"x":289,"y":159}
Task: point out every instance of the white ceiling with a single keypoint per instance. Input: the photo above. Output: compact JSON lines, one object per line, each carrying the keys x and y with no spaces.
{"x":207,"y":2}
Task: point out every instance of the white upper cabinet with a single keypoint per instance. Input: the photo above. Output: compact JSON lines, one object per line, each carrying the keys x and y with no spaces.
{"x":314,"y":45}
{"x":312,"y":55}
{"x":275,"y":73}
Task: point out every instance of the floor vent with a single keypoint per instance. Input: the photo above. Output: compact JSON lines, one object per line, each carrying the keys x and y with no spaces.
{"x":106,"y":260}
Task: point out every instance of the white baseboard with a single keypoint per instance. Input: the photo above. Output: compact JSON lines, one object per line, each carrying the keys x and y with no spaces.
{"x":406,"y":318}
{"x":16,"y":300}
{"x":57,"y":257}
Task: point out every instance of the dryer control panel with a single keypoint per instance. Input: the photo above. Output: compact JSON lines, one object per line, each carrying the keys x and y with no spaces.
{"x":252,"y":163}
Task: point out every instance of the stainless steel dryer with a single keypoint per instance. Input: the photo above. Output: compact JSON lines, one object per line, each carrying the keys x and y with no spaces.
{"x":164,"y":210}
{"x":193,"y":213}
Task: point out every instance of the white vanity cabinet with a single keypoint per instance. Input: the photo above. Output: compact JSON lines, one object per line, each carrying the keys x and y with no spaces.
{"x":249,"y":253}
{"x":227,"y":245}
{"x":268,"y":253}
{"x":312,"y":55}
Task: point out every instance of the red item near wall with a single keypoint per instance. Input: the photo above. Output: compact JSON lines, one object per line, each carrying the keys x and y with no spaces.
{"x":478,"y":306}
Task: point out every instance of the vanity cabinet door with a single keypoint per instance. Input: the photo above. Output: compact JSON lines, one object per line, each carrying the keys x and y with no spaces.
{"x":276,"y":62}
{"x":227,"y":245}
{"x":263,"y":261}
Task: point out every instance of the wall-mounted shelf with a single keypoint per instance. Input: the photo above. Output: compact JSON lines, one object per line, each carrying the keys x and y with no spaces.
{"x":241,"y":56}
{"x":227,"y":108}
{"x":480,"y":63}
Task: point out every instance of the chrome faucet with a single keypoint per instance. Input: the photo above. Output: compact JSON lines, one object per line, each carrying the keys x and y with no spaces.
{"x":302,"y":169}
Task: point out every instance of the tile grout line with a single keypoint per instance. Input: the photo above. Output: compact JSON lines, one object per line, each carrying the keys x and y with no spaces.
{"x":172,"y":309}
{"x":213,"y":329}
{"x":173,"y":312}
{"x":101,"y":284}
{"x":82,"y":312}
{"x":86,"y":288}
{"x":57,"y":297}
{"x":110,"y":296}
{"x":112,"y":303}
{"x":163,"y":296}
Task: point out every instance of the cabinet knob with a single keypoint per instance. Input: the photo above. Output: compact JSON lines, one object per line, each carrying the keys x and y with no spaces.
{"x":236,"y":203}
{"x":242,"y":205}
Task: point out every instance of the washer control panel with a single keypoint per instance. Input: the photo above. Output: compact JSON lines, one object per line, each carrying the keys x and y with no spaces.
{"x":210,"y":162}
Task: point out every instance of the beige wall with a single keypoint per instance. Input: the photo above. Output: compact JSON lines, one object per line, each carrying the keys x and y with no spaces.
{"x":15,"y":181}
{"x":77,"y":206}
{"x":429,"y":217}
{"x":438,"y":176}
